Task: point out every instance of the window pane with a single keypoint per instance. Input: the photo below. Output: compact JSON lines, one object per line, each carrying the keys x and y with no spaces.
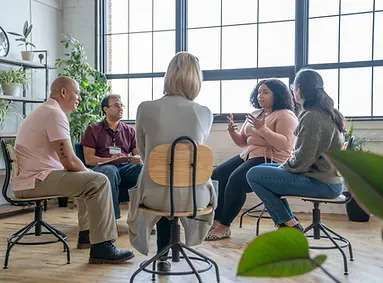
{"x":236,"y":96}
{"x":330,"y":82}
{"x":164,"y":14}
{"x":244,"y":37}
{"x":117,"y":16}
{"x":378,"y":48}
{"x":323,"y":46}
{"x":117,"y":53}
{"x":378,"y":5}
{"x":355,"y":41}
{"x":268,"y":11}
{"x":234,"y":12}
{"x":140,"y":53}
{"x":158,"y":87}
{"x":163,"y":49}
{"x":140,"y":15}
{"x":120,"y":87}
{"x":139,"y":90}
{"x":210,"y":95}
{"x":378,"y":91}
{"x":204,"y":13}
{"x":276,"y":44}
{"x":355,"y":95}
{"x":204,"y":43}
{"x":323,"y":7}
{"x":355,"y":6}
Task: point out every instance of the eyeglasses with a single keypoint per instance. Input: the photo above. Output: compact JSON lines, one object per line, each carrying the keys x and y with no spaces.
{"x":117,"y":105}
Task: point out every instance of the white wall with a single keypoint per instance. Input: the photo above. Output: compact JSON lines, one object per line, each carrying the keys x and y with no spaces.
{"x":46,"y":17}
{"x":79,"y":22}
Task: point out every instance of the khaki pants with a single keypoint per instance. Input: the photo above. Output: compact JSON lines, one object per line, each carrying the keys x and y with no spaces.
{"x":95,"y":206}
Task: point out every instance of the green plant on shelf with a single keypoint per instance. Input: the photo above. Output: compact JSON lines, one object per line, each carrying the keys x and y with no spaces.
{"x":13,"y":76}
{"x":4,"y":106}
{"x":24,"y":38}
{"x":93,"y":86}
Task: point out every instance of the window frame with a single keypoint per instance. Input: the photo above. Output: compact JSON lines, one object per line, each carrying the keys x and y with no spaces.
{"x":300,"y":53}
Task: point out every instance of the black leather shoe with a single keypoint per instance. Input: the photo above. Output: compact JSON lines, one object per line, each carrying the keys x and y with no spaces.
{"x":106,"y":252}
{"x":83,"y":240}
{"x":163,"y":266}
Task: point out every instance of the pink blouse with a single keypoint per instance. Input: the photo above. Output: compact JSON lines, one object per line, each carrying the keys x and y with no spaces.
{"x":274,"y":141}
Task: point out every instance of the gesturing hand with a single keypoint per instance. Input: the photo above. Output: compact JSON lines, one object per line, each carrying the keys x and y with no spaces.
{"x":231,"y":126}
{"x":256,"y":122}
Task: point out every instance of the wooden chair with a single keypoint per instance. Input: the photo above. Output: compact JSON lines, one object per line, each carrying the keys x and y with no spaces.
{"x":182,"y":165}
{"x":37,"y":223}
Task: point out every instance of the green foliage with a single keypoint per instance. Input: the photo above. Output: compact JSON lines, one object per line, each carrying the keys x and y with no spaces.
{"x":4,"y":105}
{"x":13,"y":76}
{"x":358,"y":143}
{"x":24,"y":38}
{"x":362,"y":173}
{"x":93,"y":86}
{"x":281,"y":253}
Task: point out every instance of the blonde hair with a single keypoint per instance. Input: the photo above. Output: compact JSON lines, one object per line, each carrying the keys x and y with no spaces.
{"x":184,"y":76}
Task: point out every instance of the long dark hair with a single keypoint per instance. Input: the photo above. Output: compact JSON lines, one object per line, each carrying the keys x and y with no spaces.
{"x":310,"y":84}
{"x":282,"y":98}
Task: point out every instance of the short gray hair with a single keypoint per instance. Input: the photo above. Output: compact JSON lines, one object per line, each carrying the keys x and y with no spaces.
{"x":184,"y":76}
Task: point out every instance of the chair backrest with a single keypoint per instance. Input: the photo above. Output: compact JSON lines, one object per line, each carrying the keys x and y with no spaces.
{"x":79,"y":151}
{"x":181,"y":164}
{"x":10,"y":170}
{"x":159,"y":164}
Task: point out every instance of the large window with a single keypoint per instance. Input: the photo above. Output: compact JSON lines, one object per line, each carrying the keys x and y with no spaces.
{"x":345,"y":43}
{"x":240,"y":42}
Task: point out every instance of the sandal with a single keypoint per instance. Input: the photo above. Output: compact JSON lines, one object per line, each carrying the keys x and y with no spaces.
{"x":212,"y":235}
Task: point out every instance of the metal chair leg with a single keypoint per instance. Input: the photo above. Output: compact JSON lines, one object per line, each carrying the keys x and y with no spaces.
{"x":258,"y":221}
{"x":204,"y":257}
{"x":341,"y":237}
{"x":247,"y":211}
{"x":191,"y":265}
{"x":11,"y":243}
{"x":338,"y":247}
{"x":59,"y":237}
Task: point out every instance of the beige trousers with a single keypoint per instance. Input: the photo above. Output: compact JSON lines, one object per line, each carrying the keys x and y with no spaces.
{"x":95,"y":206}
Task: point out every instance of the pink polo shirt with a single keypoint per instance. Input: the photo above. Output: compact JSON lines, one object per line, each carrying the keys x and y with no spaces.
{"x":35,"y":155}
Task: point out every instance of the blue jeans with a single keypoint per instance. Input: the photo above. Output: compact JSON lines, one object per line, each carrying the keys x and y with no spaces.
{"x":121,"y":177}
{"x":270,"y":182}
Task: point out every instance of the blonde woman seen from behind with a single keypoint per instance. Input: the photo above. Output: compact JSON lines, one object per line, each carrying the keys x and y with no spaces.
{"x":161,"y":122}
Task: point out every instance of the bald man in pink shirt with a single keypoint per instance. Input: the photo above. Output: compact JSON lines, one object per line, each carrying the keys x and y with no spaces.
{"x":48,"y":166}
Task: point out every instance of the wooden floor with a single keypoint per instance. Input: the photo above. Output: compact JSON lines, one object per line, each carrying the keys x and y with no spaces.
{"x":48,"y":263}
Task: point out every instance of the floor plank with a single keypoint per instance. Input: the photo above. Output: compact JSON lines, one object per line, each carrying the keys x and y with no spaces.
{"x":48,"y":263}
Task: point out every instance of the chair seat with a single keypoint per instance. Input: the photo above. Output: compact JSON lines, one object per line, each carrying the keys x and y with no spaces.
{"x":340,"y":198}
{"x":35,"y":199}
{"x":200,"y":211}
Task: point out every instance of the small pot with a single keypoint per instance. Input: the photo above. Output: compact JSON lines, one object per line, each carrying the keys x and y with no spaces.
{"x":27,"y":55}
{"x":11,"y":89}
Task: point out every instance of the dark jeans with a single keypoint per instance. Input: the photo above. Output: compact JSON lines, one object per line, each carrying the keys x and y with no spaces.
{"x":270,"y":183}
{"x":163,"y":234}
{"x":233,"y":186}
{"x":121,"y":177}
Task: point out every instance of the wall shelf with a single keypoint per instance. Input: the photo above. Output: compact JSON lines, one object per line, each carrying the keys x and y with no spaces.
{"x":24,"y":64}
{"x":21,"y":99}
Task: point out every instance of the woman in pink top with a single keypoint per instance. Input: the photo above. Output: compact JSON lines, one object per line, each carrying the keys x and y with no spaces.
{"x":267,"y":135}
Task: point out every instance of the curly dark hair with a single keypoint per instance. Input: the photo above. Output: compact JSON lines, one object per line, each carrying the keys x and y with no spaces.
{"x":282,"y":97}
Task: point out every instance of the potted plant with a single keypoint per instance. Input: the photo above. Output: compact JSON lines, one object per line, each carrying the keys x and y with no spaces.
{"x":93,"y":86}
{"x":12,"y":81}
{"x":25,"y":40}
{"x":354,"y":211}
